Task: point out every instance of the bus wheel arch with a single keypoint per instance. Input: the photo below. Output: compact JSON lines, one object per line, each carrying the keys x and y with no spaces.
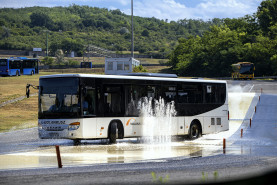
{"x":115,"y":130}
{"x":195,"y":129}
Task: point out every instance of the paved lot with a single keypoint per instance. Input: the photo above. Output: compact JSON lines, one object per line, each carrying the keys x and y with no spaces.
{"x":250,"y":156}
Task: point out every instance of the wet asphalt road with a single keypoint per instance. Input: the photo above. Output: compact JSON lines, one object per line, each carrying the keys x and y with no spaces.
{"x":178,"y":170}
{"x":258,"y":145}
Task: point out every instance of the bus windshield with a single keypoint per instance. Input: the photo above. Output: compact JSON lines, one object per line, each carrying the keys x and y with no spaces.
{"x":3,"y":62}
{"x":59,"y":98}
{"x":246,"y":69}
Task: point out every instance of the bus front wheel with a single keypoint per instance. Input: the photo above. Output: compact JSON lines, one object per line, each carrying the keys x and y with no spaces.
{"x":76,"y":142}
{"x":195,"y":131}
{"x":113,"y":132}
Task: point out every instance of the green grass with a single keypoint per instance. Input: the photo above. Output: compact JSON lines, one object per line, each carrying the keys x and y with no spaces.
{"x":160,"y":179}
{"x":19,"y":115}
{"x":14,"y":87}
{"x":23,"y":114}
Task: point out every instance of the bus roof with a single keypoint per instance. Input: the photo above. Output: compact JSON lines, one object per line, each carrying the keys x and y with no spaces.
{"x":19,"y":58}
{"x":239,"y":63}
{"x":151,"y":75}
{"x":130,"y":77}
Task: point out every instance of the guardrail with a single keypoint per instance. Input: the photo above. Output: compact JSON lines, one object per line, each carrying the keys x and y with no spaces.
{"x":255,"y":78}
{"x":267,"y":77}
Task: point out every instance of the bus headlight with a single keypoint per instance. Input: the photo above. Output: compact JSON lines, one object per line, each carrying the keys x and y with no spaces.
{"x":74,"y":126}
{"x":39,"y":126}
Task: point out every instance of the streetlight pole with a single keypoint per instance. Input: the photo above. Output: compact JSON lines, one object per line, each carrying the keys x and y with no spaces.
{"x":47,"y":32}
{"x":47,"y":43}
{"x":132,"y":47}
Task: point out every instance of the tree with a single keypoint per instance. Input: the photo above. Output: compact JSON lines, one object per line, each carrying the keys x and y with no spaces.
{"x":5,"y":32}
{"x":116,"y":12}
{"x":59,"y":57}
{"x":68,"y":45}
{"x":145,"y":33}
{"x":41,"y":19}
{"x":273,"y":60}
{"x":123,"y":30}
{"x":267,"y":14}
{"x":210,"y":55}
{"x":261,"y":53}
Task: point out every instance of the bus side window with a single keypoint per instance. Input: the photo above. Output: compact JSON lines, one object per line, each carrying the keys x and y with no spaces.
{"x":112,"y":100}
{"x":151,"y":91}
{"x":222,"y":93}
{"x":133,"y":94}
{"x":130,"y":101}
{"x":188,"y":93}
{"x":89,"y":102}
{"x":209,"y":93}
{"x":168,"y":93}
{"x":100,"y":109}
{"x":215,"y":93}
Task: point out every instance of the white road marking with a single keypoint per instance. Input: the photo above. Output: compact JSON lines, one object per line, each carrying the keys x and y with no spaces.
{"x":251,"y":88}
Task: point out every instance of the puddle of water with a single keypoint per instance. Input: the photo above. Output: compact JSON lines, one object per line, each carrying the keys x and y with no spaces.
{"x":91,"y":154}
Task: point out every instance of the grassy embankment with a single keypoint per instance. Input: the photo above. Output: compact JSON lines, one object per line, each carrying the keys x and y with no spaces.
{"x":23,"y":114}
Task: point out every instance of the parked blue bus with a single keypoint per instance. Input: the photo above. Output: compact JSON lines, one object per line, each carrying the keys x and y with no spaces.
{"x":18,"y":66}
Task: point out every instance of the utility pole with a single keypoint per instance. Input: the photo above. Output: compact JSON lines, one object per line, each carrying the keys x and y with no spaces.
{"x":47,"y":43}
{"x":132,"y":47}
{"x":47,"y":32}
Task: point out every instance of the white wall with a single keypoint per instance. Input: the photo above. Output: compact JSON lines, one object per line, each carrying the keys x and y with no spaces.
{"x":115,"y":66}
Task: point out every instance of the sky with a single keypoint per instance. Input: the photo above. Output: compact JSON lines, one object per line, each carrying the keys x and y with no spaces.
{"x":161,"y":9}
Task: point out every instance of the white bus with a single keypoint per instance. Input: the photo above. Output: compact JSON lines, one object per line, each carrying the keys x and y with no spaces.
{"x":81,"y":107}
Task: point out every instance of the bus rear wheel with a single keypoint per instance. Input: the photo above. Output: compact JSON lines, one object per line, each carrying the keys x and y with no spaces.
{"x":113,"y":132}
{"x":194,"y":131}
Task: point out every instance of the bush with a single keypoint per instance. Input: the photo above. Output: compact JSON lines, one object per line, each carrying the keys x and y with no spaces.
{"x":139,"y":69}
{"x":73,"y":62}
{"x":48,"y":61}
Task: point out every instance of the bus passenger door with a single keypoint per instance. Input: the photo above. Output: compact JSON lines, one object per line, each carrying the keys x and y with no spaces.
{"x":88,"y":102}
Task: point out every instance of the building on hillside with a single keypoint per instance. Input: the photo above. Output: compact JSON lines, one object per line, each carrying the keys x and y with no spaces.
{"x":115,"y":66}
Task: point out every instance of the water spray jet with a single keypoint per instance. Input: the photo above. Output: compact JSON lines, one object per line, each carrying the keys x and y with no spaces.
{"x":156,"y":118}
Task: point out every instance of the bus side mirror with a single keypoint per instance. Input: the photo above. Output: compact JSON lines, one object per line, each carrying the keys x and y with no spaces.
{"x":28,"y":90}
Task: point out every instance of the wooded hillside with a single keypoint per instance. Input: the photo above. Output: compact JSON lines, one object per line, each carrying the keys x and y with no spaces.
{"x":75,"y":26}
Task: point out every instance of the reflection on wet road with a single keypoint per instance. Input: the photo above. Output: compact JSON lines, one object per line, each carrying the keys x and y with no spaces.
{"x":126,"y":151}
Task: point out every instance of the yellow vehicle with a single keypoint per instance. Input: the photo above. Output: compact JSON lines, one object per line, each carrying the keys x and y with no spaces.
{"x":243,"y":70}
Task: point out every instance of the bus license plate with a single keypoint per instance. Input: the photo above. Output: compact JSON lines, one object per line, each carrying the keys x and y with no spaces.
{"x":54,"y":135}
